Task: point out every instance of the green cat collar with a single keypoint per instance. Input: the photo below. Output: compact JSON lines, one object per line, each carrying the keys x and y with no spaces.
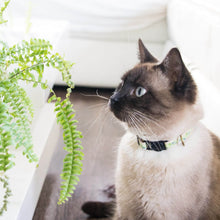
{"x":163,"y":145}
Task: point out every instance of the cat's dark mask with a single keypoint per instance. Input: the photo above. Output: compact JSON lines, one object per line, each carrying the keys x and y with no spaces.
{"x":152,"y":89}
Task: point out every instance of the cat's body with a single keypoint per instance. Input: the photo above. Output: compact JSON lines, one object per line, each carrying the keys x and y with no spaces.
{"x":174,"y":184}
{"x":158,"y":103}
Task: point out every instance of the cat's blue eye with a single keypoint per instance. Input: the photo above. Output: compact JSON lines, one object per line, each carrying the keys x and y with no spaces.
{"x":140,"y":91}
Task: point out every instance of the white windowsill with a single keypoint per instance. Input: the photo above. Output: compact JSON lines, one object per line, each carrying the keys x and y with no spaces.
{"x":26,"y":180}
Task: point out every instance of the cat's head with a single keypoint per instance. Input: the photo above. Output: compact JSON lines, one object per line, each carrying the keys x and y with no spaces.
{"x":156,"y":98}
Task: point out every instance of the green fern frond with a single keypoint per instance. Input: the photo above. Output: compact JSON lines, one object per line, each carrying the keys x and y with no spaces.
{"x":27,"y":61}
{"x":6,"y":138}
{"x":72,"y":164}
{"x":3,"y":6}
{"x":64,"y":67}
{"x":6,"y":162}
{"x":4,"y":181}
{"x":21,"y":113}
{"x":30,"y":59}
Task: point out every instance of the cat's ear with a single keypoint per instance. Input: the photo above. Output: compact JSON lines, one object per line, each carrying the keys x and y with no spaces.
{"x":144,"y":54}
{"x":173,"y":66}
{"x":182,"y":83}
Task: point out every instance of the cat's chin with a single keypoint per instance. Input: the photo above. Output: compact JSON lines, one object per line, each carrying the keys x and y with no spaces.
{"x":144,"y":134}
{"x":135,"y":133}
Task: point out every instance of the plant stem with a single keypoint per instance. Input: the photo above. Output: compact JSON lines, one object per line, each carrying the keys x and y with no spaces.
{"x":26,"y":69}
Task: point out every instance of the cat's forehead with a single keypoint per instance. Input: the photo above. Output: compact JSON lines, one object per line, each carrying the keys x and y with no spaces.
{"x":139,"y":73}
{"x":146,"y":75}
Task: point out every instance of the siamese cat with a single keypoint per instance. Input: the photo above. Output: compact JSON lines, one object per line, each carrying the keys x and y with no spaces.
{"x":168,"y":164}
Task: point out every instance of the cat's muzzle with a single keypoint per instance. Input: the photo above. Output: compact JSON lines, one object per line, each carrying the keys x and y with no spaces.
{"x":115,"y":106}
{"x":114,"y":103}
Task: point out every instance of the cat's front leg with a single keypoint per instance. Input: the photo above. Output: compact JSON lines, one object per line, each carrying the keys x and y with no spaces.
{"x":123,"y":212}
{"x":118,"y":217}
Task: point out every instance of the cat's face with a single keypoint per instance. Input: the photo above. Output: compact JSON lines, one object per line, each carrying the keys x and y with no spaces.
{"x":152,"y":94}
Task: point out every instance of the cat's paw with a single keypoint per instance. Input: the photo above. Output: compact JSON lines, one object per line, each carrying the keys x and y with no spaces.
{"x":98,"y":209}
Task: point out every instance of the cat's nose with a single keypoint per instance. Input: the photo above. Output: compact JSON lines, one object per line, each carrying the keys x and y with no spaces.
{"x":112,"y":102}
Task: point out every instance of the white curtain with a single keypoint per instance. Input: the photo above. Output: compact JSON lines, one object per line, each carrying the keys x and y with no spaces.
{"x":97,"y":16}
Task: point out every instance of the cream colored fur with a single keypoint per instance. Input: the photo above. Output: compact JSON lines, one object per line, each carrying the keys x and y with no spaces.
{"x":169,"y":185}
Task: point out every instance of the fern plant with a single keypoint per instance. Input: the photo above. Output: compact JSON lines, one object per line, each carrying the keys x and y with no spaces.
{"x":26,"y":62}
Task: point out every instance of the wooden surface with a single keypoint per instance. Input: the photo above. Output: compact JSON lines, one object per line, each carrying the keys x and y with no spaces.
{"x":102,"y":134}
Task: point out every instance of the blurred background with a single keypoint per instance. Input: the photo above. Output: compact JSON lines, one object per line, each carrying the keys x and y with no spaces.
{"x":100,"y":37}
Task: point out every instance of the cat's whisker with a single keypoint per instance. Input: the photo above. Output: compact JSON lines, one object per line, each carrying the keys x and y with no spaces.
{"x":113,"y":119}
{"x":100,"y":136}
{"x":94,"y":121}
{"x":140,"y":122}
{"x":111,"y":116}
{"x":107,"y":109}
{"x":136,"y":124}
{"x":97,"y":106}
{"x":133,"y":123}
{"x":144,"y":125}
{"x":97,"y":95}
{"x":145,"y":115}
{"x":100,"y":96}
{"x":157,"y":124}
{"x":148,"y":118}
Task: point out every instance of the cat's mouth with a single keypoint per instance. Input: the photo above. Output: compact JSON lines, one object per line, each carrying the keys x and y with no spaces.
{"x":121,"y":114}
{"x":116,"y":108}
